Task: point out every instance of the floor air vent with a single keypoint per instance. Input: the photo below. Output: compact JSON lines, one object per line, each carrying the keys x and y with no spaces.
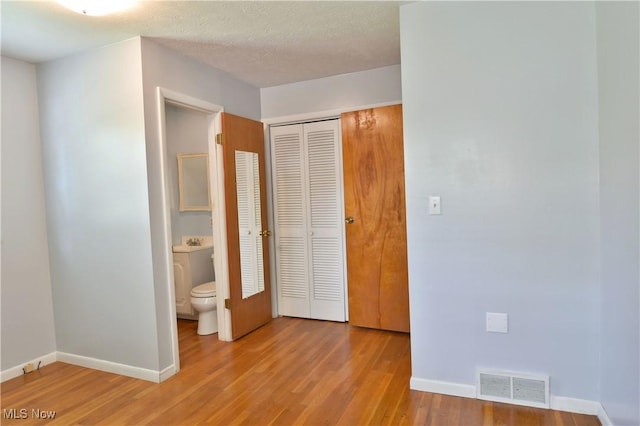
{"x":513,"y":388}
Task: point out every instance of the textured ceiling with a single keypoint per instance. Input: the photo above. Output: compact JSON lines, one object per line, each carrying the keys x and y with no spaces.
{"x":263,"y":43}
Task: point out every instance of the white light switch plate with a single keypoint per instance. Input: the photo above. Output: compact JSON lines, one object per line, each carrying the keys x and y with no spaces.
{"x":497,"y":323}
{"x":434,"y":205}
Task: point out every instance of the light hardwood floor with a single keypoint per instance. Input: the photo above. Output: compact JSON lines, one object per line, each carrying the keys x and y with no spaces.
{"x":291,"y":371}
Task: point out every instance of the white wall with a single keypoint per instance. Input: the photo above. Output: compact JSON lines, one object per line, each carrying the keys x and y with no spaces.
{"x":27,"y":309}
{"x":618,"y":74}
{"x":380,"y":85}
{"x":169,"y":69}
{"x":187,"y":132}
{"x":92,"y":126}
{"x":500,"y":115}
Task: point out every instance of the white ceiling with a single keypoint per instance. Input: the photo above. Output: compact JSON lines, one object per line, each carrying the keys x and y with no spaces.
{"x":264,"y":43}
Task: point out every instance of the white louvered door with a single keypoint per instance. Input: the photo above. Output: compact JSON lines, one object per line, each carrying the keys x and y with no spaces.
{"x":325,"y":224}
{"x":308,"y":220}
{"x":290,"y":221}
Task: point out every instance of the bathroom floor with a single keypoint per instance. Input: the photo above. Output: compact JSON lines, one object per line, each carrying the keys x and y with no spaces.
{"x":290,"y":371}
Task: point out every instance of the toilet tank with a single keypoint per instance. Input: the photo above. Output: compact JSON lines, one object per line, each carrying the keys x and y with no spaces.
{"x":201,"y":266}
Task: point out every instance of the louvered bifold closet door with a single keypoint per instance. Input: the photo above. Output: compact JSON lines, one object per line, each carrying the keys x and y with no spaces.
{"x":325,"y":220}
{"x":309,"y":231}
{"x":290,"y":221}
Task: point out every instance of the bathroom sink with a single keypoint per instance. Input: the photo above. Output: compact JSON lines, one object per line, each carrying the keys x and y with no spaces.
{"x":186,"y":246}
{"x":188,"y":249}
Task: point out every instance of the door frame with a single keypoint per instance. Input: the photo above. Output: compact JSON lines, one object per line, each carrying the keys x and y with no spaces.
{"x":216,"y":181}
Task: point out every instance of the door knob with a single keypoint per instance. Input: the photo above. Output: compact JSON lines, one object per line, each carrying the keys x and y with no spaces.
{"x":349,"y":220}
{"x":265,"y":233}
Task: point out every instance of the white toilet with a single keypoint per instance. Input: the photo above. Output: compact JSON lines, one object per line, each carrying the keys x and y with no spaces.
{"x":204,"y":301}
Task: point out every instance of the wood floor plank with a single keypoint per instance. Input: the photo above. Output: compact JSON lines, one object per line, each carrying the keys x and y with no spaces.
{"x":289,"y":372}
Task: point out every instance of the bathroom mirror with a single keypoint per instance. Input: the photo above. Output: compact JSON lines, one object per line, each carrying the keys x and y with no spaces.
{"x":193,"y":181}
{"x":249,"y":223}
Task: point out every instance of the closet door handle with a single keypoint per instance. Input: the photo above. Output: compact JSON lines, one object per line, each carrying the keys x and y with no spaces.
{"x":349,"y":220}
{"x":265,"y":233}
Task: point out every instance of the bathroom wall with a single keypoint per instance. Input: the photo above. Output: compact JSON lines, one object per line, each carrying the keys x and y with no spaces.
{"x":187,"y":132}
{"x":342,"y":92}
{"x":618,"y":92}
{"x":94,"y":157}
{"x":171,"y":70}
{"x":27,"y":322}
{"x":501,"y":121}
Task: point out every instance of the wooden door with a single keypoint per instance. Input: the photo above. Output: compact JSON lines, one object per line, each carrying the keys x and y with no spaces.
{"x":244,"y":135}
{"x":377,"y":273}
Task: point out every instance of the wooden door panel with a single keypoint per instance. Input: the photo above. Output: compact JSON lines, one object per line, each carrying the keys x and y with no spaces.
{"x":376,"y":243}
{"x":247,"y":314}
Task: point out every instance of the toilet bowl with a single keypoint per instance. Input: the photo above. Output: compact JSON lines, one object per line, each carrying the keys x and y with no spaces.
{"x":204,"y":301}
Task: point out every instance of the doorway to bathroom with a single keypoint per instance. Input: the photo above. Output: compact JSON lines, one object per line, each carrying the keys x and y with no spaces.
{"x":238,"y":215}
{"x":188,"y":127}
{"x":186,"y":131}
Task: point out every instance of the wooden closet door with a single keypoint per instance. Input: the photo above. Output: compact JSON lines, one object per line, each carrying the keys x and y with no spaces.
{"x":376,"y":238}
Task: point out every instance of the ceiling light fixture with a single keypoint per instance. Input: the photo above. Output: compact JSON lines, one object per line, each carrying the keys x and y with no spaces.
{"x":96,"y":7}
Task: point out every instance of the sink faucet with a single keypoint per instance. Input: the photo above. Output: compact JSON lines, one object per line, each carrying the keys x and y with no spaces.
{"x":194,"y":242}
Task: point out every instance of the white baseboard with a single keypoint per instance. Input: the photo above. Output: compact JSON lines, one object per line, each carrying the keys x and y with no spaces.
{"x":112,"y":367}
{"x":603,"y":417}
{"x":96,"y":364}
{"x":446,"y":388}
{"x":166,"y":373}
{"x":16,"y":371}
{"x":573,"y":405}
{"x":560,"y":403}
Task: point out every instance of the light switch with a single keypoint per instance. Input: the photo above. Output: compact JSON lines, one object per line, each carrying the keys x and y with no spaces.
{"x":497,"y":323}
{"x":434,"y":205}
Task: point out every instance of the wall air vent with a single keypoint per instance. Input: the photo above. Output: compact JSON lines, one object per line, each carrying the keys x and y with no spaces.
{"x":513,"y":388}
